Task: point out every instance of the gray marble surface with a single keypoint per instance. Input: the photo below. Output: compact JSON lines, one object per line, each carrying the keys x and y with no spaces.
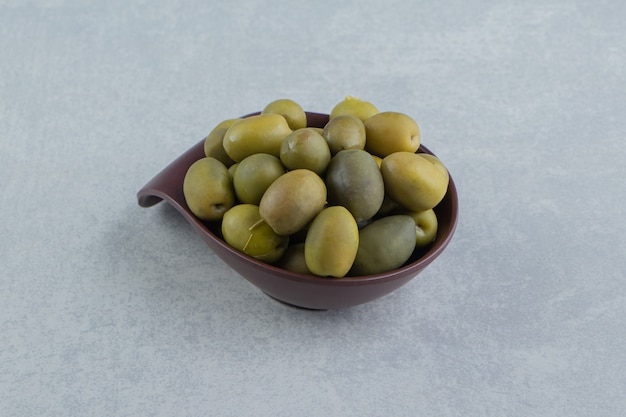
{"x":109,"y":309}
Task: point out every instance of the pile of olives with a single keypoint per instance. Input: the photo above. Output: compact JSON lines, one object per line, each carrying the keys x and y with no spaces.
{"x":352,"y":198}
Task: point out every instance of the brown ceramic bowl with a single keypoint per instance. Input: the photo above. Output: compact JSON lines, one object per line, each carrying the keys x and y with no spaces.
{"x":305,"y":291}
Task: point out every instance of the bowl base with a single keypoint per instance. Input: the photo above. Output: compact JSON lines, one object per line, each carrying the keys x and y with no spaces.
{"x":293,"y":305}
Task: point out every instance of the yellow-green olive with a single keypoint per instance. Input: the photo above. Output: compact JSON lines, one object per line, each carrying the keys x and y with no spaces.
{"x":208,"y":189}
{"x":354,"y":106}
{"x":262,"y":133}
{"x":413,"y":181}
{"x":244,"y":230}
{"x":331,"y":242}
{"x":292,"y":201}
{"x":390,"y":132}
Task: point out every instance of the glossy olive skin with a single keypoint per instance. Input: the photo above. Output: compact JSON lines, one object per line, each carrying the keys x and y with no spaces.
{"x":214,"y":142}
{"x":244,"y":230}
{"x":354,"y":106}
{"x":208,"y":189}
{"x":344,"y":132}
{"x":262,"y":133}
{"x":290,"y":110}
{"x":354,"y":181}
{"x":384,"y":245}
{"x":305,"y":148}
{"x":253,"y":176}
{"x":415,"y":182}
{"x":331,"y":243}
{"x":389,"y":132}
{"x":292,"y":201}
{"x":437,"y":163}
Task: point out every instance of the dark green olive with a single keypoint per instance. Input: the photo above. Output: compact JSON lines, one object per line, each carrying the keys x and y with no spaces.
{"x":384,"y":245}
{"x":354,"y":181}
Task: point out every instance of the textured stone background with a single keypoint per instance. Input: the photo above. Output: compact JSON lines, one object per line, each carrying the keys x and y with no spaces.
{"x":108,"y":309}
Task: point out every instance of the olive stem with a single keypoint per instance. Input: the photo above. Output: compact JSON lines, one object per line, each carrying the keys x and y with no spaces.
{"x":247,"y":243}
{"x":251,"y":229}
{"x":255,"y":225}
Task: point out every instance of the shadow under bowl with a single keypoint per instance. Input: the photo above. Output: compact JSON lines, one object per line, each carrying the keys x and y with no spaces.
{"x":299,"y":290}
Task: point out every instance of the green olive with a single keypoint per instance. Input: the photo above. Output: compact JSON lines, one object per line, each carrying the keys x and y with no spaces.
{"x":426,"y":225}
{"x":290,"y":110}
{"x":437,"y":163}
{"x":292,"y":201}
{"x":414,"y":181}
{"x":384,"y":245}
{"x":354,"y":181}
{"x":390,"y":132}
{"x":214,"y":142}
{"x":254,"y":174}
{"x":331,"y":243}
{"x":354,"y":106}
{"x":305,"y":148}
{"x":344,"y":132}
{"x":262,"y":133}
{"x":208,"y":189}
{"x":244,"y":230}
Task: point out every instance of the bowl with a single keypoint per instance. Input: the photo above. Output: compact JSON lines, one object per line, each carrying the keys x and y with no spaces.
{"x":299,"y":290}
